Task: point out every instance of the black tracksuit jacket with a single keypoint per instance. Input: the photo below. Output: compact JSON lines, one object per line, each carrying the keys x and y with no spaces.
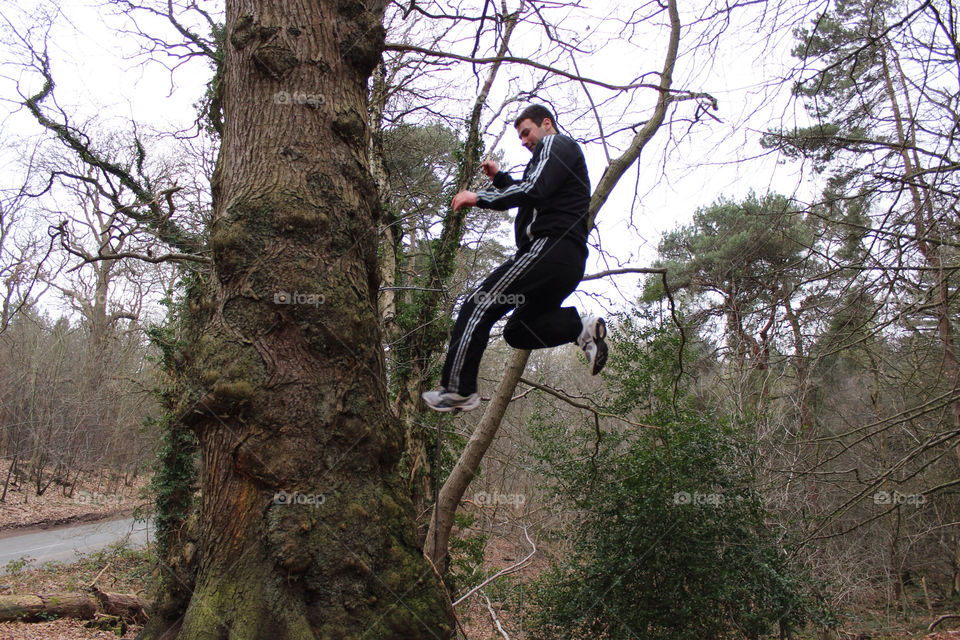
{"x":552,"y":197}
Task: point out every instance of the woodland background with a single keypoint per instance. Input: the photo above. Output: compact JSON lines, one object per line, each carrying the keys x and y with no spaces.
{"x":775,"y":444}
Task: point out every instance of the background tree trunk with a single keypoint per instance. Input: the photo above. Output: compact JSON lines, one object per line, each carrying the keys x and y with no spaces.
{"x":305,"y":530}
{"x":436,"y":546}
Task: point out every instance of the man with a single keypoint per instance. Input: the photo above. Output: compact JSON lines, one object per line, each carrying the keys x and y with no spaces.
{"x":551,"y":235}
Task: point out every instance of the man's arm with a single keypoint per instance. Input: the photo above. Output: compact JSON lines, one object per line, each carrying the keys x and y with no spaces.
{"x":552,"y":168}
{"x":500,"y":179}
{"x":503,"y":180}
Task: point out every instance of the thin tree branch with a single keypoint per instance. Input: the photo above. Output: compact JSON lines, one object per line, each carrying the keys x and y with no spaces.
{"x":579,"y":405}
{"x":613,"y":272}
{"x":663,"y":87}
{"x":511,"y":569}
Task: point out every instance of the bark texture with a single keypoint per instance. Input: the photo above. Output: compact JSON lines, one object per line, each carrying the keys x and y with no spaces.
{"x":305,"y":530}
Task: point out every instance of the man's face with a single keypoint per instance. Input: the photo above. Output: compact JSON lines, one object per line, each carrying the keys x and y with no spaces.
{"x":530,"y":133}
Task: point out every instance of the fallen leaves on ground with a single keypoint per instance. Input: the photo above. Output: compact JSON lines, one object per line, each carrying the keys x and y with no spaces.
{"x":59,"y":630}
{"x":91,"y":498}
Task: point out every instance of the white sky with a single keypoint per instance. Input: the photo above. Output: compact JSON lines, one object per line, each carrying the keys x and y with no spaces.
{"x":100,"y":75}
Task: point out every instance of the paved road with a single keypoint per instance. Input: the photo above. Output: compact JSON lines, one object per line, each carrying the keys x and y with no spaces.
{"x":64,"y":543}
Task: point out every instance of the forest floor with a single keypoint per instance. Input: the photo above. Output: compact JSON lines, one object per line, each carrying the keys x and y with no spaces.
{"x":508,"y":602}
{"x":115,"y":569}
{"x":506,"y":595}
{"x":502,"y":603}
{"x":122,"y":570}
{"x":91,"y":497}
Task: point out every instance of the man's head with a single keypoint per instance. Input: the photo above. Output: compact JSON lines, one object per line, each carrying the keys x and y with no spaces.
{"x":533,"y":124}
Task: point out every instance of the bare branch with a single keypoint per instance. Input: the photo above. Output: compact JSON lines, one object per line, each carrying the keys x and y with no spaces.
{"x":517,"y":566}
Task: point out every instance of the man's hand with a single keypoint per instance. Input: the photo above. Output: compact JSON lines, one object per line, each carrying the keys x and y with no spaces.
{"x":464,"y":199}
{"x":490,"y":167}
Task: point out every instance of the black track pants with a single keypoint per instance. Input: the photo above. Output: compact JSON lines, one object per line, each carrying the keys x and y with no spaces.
{"x":535,"y":282}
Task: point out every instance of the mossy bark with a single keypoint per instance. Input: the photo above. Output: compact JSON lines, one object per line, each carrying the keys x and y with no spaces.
{"x":305,"y":529}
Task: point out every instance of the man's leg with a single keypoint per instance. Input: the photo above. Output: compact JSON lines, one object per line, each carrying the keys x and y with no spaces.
{"x":490,"y":302}
{"x":471,"y":333}
{"x":540,"y":322}
{"x":539,"y":326}
{"x":536,"y":281}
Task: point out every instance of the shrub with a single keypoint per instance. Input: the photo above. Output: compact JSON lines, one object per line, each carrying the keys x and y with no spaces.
{"x":671,"y":538}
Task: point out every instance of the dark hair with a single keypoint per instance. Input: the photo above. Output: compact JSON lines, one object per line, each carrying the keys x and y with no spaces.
{"x":536,"y":112}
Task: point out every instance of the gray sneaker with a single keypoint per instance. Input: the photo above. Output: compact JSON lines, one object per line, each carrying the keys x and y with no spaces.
{"x":591,"y":340}
{"x":443,"y":400}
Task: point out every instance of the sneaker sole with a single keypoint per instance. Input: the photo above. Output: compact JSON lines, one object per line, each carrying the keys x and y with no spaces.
{"x":601,"y":358}
{"x":466,"y":407}
{"x":446,"y":409}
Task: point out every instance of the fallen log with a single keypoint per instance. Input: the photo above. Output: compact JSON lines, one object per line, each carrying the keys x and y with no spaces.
{"x":124,"y":606}
{"x":44,"y":607}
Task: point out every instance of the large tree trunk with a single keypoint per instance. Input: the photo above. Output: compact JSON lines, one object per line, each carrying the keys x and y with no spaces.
{"x":305,"y":530}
